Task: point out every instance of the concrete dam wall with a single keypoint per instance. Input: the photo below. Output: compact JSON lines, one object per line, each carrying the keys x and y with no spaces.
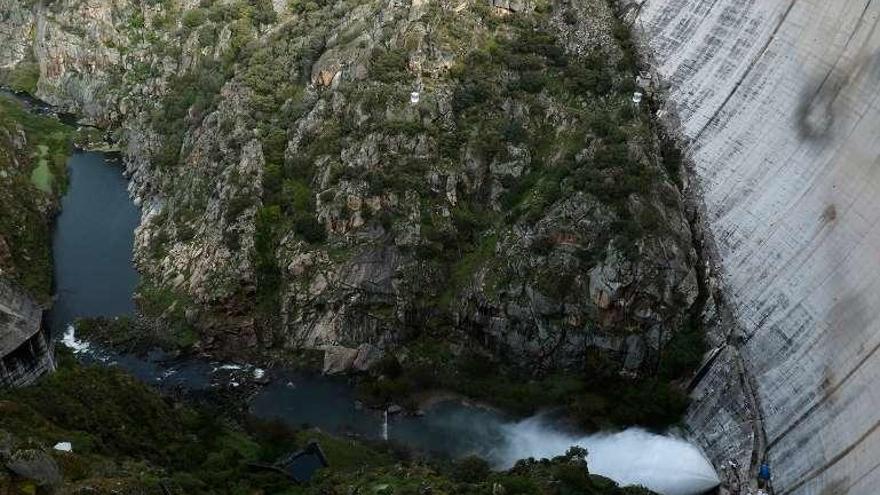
{"x":779,"y":102}
{"x":25,"y":351}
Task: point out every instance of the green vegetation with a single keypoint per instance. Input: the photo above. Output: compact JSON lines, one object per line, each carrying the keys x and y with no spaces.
{"x":22,"y":77}
{"x":174,"y":334}
{"x":33,"y":153}
{"x":527,"y":132}
{"x":128,"y":439}
{"x":42,"y":175}
{"x":431,"y":365}
{"x":128,"y":335}
{"x":194,"y":94}
{"x":47,"y":140}
{"x":120,"y":429}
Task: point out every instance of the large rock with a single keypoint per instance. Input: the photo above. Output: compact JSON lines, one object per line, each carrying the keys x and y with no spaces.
{"x":367,"y":356}
{"x":25,"y":351}
{"x":35,"y":465}
{"x":15,"y":28}
{"x":338,"y":359}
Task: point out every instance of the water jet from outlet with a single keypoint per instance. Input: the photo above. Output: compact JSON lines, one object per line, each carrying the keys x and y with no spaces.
{"x":664,"y":464}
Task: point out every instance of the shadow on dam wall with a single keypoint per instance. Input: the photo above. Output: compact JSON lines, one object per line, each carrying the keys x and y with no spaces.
{"x":779,"y":101}
{"x":815,"y":115}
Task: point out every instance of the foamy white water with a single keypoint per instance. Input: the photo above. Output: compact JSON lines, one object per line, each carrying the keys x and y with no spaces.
{"x":664,"y":464}
{"x":69,"y":340}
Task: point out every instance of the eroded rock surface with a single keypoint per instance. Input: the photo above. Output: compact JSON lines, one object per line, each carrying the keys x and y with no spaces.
{"x":294,"y":197}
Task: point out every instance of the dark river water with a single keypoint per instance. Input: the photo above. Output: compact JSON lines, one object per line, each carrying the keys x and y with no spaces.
{"x":92,"y":243}
{"x":95,"y":277}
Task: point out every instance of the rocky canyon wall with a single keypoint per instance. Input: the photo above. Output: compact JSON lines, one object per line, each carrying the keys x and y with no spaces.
{"x":778,"y":99}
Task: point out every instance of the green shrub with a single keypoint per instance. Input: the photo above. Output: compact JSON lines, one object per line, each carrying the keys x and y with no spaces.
{"x":269,"y":229}
{"x":470,"y":94}
{"x":310,"y":229}
{"x":389,"y":66}
{"x":263,"y":13}
{"x":194,"y":18}
{"x":23,"y":77}
{"x":471,"y":469}
{"x":519,"y":485}
{"x":298,"y":196}
{"x":207,"y":36}
{"x":304,"y":6}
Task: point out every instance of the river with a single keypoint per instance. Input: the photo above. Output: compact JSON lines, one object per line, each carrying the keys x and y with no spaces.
{"x":92,"y":243}
{"x":94,"y":276}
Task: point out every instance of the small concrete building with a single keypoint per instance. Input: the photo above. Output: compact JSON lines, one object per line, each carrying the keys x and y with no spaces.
{"x":25,"y":351}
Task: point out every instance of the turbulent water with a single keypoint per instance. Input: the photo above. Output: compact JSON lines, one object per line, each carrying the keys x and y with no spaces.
{"x":667,"y":465}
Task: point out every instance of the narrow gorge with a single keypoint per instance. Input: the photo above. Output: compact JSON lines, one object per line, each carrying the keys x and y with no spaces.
{"x":630,"y":212}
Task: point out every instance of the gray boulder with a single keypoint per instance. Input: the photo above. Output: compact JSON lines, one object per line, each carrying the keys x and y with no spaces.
{"x":35,"y":465}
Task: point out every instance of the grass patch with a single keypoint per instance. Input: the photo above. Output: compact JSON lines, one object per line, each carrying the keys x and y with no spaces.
{"x":23,"y":77}
{"x":42,"y":176}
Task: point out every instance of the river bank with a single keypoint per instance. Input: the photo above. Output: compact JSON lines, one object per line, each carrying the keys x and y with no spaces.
{"x":144,"y":443}
{"x":299,"y":404}
{"x":448,"y":428}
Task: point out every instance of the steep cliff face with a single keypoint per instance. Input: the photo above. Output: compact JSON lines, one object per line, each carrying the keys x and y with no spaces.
{"x":778,"y":100}
{"x":320,"y":175}
{"x":32,"y":152}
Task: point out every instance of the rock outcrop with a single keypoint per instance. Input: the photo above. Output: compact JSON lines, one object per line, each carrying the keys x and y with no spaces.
{"x":329,"y":176}
{"x":29,"y":146}
{"x":777,"y":100}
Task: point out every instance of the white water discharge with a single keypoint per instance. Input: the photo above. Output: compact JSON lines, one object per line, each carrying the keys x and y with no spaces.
{"x":69,"y":340}
{"x":664,"y":464}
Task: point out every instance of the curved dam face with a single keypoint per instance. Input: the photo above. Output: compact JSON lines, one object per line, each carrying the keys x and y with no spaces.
{"x":779,"y":100}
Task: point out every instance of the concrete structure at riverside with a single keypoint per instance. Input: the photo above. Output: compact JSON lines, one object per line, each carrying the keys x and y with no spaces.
{"x":778,"y":100}
{"x":25,"y":352}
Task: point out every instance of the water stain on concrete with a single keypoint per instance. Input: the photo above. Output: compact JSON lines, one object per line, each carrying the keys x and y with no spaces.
{"x":819,"y":108}
{"x":836,"y":487}
{"x":829,"y":214}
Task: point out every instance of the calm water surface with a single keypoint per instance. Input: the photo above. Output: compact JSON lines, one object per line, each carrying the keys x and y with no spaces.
{"x":92,"y":243}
